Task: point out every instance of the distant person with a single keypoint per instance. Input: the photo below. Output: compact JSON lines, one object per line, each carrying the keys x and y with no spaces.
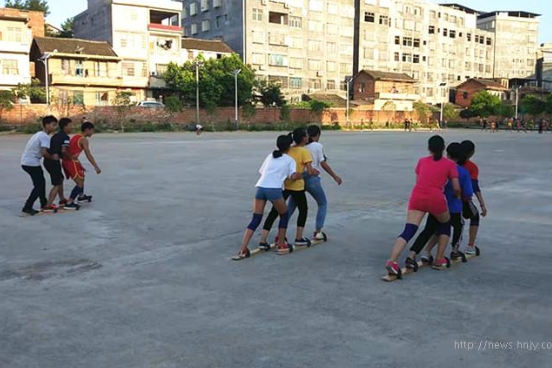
{"x":199,"y":130}
{"x":73,"y":167}
{"x":541,"y":126}
{"x":37,"y":148}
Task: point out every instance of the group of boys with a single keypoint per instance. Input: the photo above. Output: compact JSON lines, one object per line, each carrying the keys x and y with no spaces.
{"x":61,"y":154}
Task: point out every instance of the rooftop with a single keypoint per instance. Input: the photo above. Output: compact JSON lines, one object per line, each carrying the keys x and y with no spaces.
{"x":461,"y":7}
{"x":74,"y":46}
{"x":206,"y":45}
{"x":389,"y":76}
{"x":510,"y":13}
{"x":487,"y":83}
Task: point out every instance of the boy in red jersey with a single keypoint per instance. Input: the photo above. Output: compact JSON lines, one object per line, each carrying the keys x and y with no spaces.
{"x":470,"y":211}
{"x":73,"y":167}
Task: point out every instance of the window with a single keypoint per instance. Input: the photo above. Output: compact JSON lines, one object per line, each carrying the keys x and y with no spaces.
{"x":489,"y":41}
{"x":331,"y":66}
{"x":416,"y":59}
{"x":258,"y":37}
{"x":315,"y":65}
{"x":315,"y":26}
{"x":297,"y":43}
{"x":315,"y":84}
{"x":481,"y":40}
{"x":330,"y":85}
{"x":206,"y":25}
{"x":333,"y":8}
{"x":332,"y":29}
{"x":161,"y":69}
{"x":295,"y":83}
{"x":417,"y":42}
{"x":407,"y":58}
{"x":452,"y":34}
{"x":296,"y":63}
{"x":397,"y":40}
{"x":296,"y":22}
{"x":193,"y":9}
{"x":315,"y":45}
{"x":445,"y":32}
{"x":407,"y":41}
{"x":469,"y":37}
{"x":194,"y":28}
{"x":102,"y":98}
{"x":384,"y":20}
{"x":257,"y":14}
{"x":465,"y":95}
{"x":9,"y":66}
{"x":369,"y":17}
{"x":14,"y":34}
{"x":79,"y":68}
{"x":100,"y":69}
{"x":345,"y":68}
{"x":331,"y":48}
{"x":277,"y":60}
{"x":397,"y":56}
{"x":78,"y":98}
{"x":204,"y":5}
{"x":431,"y":29}
{"x":66,"y":66}
{"x":257,"y":59}
{"x":128,"y":70}
{"x":221,"y":20}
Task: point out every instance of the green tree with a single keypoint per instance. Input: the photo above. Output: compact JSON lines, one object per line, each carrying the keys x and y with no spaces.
{"x":532,"y":105}
{"x":318,"y":107}
{"x":216,"y":81}
{"x":285,"y":113}
{"x":485,"y":104}
{"x":423,"y":111}
{"x":173,"y":105}
{"x":271,"y":94}
{"x":67,"y":28}
{"x":548,"y":104}
{"x":34,"y":91}
{"x":123,"y":102}
{"x":36,"y":5}
{"x":450,"y":113}
{"x":248,"y":112}
{"x":506,"y":111}
{"x":467,"y":114}
{"x":7,"y":99}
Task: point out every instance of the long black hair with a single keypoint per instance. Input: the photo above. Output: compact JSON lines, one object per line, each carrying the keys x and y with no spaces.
{"x":298,"y":135}
{"x":456,"y":152}
{"x":436,"y":146}
{"x":313,"y":131}
{"x":283,"y":143}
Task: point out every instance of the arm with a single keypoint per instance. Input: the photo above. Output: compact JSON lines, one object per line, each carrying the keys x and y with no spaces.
{"x":479,"y":196}
{"x":329,"y":170}
{"x":46,"y":154}
{"x":86,"y":148}
{"x":310,"y":170}
{"x":456,"y":187}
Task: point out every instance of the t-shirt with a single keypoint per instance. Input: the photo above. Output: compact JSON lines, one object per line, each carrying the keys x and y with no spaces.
{"x":302,"y":157}
{"x":275,"y":170}
{"x":432,"y":176}
{"x":472,"y":169}
{"x":317,"y":152}
{"x":33,"y":151}
{"x":454,"y":203}
{"x":58,"y":141}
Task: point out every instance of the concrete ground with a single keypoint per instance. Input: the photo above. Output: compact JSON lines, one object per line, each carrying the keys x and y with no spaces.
{"x":142,"y":277}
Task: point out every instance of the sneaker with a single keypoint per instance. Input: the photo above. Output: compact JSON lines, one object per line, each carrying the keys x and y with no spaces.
{"x":427,"y":259}
{"x":456,"y":254}
{"x":303,"y":242}
{"x":319,"y":236}
{"x":264,"y":246}
{"x":393,"y":269}
{"x":72,"y":206}
{"x":411,"y":264}
{"x":51,"y":208}
{"x":63,"y":202}
{"x":85,"y":198}
{"x":471,"y":250}
{"x":29,"y":211}
{"x":440,"y":265}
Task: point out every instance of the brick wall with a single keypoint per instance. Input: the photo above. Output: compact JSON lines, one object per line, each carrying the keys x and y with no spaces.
{"x":30,"y":114}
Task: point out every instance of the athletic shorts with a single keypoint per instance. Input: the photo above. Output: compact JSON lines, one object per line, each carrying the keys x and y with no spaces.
{"x":469,"y":210}
{"x":54,"y":169}
{"x":73,"y":169}
{"x":434,"y":205}
{"x":269,"y":194}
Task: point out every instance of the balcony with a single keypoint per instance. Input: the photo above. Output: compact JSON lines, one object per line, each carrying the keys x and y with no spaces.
{"x":14,"y":80}
{"x":164,"y":28}
{"x":15,"y":47}
{"x":397,"y":96}
{"x":164,"y":21}
{"x":85,"y":81}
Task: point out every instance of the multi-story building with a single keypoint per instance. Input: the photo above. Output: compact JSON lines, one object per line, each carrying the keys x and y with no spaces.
{"x":80,"y":72}
{"x":17,"y":29}
{"x":385,"y":90}
{"x":145,"y":34}
{"x":516,"y":42}
{"x":544,"y":67}
{"x":304,"y":45}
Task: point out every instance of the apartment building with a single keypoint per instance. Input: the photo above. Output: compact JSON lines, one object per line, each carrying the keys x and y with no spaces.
{"x":544,"y":67}
{"x":17,"y":29}
{"x":146,"y":35}
{"x":81,"y":72}
{"x":516,"y":35}
{"x":304,"y":45}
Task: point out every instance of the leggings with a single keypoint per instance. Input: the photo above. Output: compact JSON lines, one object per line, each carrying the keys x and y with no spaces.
{"x":39,"y":186}
{"x":300,"y":199}
{"x":431,"y":228}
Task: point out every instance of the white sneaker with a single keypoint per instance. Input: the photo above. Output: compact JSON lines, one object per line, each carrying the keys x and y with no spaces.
{"x":319,"y":236}
{"x":471,"y":251}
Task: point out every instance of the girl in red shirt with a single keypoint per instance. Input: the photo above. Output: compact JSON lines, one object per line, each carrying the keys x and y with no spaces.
{"x":432,"y":174}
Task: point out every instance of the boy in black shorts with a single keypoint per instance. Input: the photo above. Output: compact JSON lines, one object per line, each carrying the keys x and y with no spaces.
{"x":58,"y":146}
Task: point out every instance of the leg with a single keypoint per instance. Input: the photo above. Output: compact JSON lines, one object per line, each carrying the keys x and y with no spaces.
{"x":258,"y":210}
{"x":474,"y":229}
{"x":280,"y":206}
{"x":414,"y":218}
{"x":270,"y":220}
{"x":424,"y":237}
{"x":78,"y":190}
{"x":313,"y":185}
{"x":61,"y":194}
{"x":457,"y":227}
{"x":301,"y":199}
{"x":34,"y":173}
{"x":443,"y":232}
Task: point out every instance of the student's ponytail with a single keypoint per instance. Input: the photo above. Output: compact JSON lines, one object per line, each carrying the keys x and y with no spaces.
{"x":283,"y":142}
{"x":436,"y":146}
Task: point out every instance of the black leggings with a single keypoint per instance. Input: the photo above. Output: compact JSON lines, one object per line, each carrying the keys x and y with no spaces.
{"x":431,"y":227}
{"x":300,"y":200}
{"x":39,"y":186}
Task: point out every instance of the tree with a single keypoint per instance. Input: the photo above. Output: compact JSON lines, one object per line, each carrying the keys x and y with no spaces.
{"x":467,"y":114}
{"x":173,"y":105}
{"x":485,"y":104}
{"x":271,"y":94}
{"x":285,"y":113}
{"x":423,"y":110}
{"x":318,"y":107}
{"x":532,"y":105}
{"x":216,"y":81}
{"x":67,"y":28}
{"x":123,"y":102}
{"x":449,"y":112}
{"x":548,"y":104}
{"x":248,"y":112}
{"x":34,"y":91}
{"x":506,"y":111}
{"x":7,"y":99}
{"x":36,"y":5}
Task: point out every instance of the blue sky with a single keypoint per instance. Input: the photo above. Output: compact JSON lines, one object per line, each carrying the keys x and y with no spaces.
{"x":62,"y":9}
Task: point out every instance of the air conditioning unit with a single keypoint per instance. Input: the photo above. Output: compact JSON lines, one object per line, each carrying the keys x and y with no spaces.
{"x":264,"y":2}
{"x":320,"y":73}
{"x":262,"y":67}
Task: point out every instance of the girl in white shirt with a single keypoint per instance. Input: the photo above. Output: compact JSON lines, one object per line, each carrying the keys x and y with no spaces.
{"x":277,"y":167}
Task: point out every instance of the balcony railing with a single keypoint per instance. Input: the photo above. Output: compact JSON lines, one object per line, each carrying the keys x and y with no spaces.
{"x":165,"y":28}
{"x":397,"y":96}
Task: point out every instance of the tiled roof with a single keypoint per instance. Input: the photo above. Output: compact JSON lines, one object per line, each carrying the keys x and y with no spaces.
{"x":388,"y":76}
{"x":74,"y":46}
{"x":205,"y":45}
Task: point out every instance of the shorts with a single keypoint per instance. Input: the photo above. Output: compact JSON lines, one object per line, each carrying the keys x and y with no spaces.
{"x":269,"y":194}
{"x":434,"y":205}
{"x":73,"y":169}
{"x":54,"y":169}
{"x":469,"y":210}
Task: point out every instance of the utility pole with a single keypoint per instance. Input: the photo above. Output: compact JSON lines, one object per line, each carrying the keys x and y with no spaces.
{"x":236,"y":73}
{"x":197,"y":65}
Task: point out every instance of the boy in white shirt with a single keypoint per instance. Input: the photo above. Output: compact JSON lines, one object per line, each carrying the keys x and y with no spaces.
{"x":36,"y":149}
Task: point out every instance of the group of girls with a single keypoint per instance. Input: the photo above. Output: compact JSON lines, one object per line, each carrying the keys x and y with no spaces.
{"x":444,"y":190}
{"x":286,"y":175}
